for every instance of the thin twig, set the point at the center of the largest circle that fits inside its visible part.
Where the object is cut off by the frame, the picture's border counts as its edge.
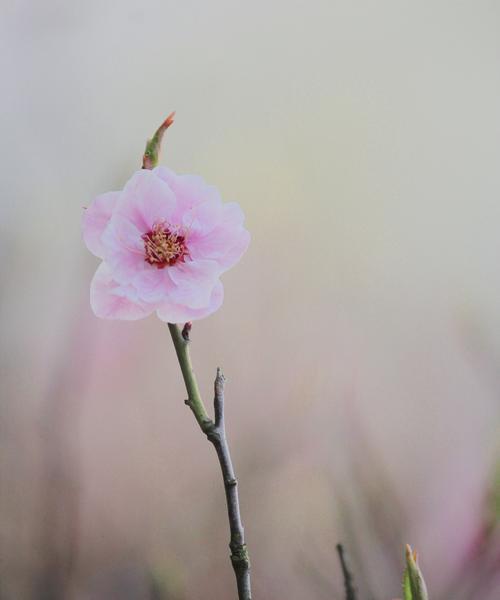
(216, 433)
(350, 588)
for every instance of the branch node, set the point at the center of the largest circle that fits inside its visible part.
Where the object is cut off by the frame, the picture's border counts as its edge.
(208, 428)
(239, 557)
(213, 434)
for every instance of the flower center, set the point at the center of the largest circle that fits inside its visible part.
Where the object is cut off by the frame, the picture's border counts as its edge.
(163, 246)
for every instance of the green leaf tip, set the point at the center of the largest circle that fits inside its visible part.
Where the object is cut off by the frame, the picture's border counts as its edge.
(414, 587)
(152, 152)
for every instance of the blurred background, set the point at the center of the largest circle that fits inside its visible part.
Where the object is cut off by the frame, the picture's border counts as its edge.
(360, 334)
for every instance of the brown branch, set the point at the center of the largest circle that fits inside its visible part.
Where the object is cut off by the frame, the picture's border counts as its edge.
(216, 434)
(350, 589)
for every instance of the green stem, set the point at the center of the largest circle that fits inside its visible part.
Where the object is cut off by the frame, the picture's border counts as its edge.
(194, 400)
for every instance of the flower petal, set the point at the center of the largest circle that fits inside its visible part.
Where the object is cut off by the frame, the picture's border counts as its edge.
(123, 249)
(198, 206)
(226, 243)
(177, 313)
(146, 200)
(94, 221)
(110, 300)
(152, 284)
(194, 282)
(125, 286)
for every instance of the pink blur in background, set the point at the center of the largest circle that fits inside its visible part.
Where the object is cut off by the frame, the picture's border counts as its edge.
(360, 334)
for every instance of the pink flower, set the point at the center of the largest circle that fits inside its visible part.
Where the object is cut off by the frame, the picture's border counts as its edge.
(164, 241)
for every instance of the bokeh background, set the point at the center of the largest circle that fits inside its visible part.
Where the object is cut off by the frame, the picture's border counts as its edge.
(360, 334)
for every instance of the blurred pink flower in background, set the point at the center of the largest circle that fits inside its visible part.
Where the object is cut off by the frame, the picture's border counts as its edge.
(164, 241)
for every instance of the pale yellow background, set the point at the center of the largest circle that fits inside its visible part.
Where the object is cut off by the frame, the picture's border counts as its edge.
(360, 334)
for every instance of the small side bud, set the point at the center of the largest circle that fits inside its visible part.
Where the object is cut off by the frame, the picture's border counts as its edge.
(186, 330)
